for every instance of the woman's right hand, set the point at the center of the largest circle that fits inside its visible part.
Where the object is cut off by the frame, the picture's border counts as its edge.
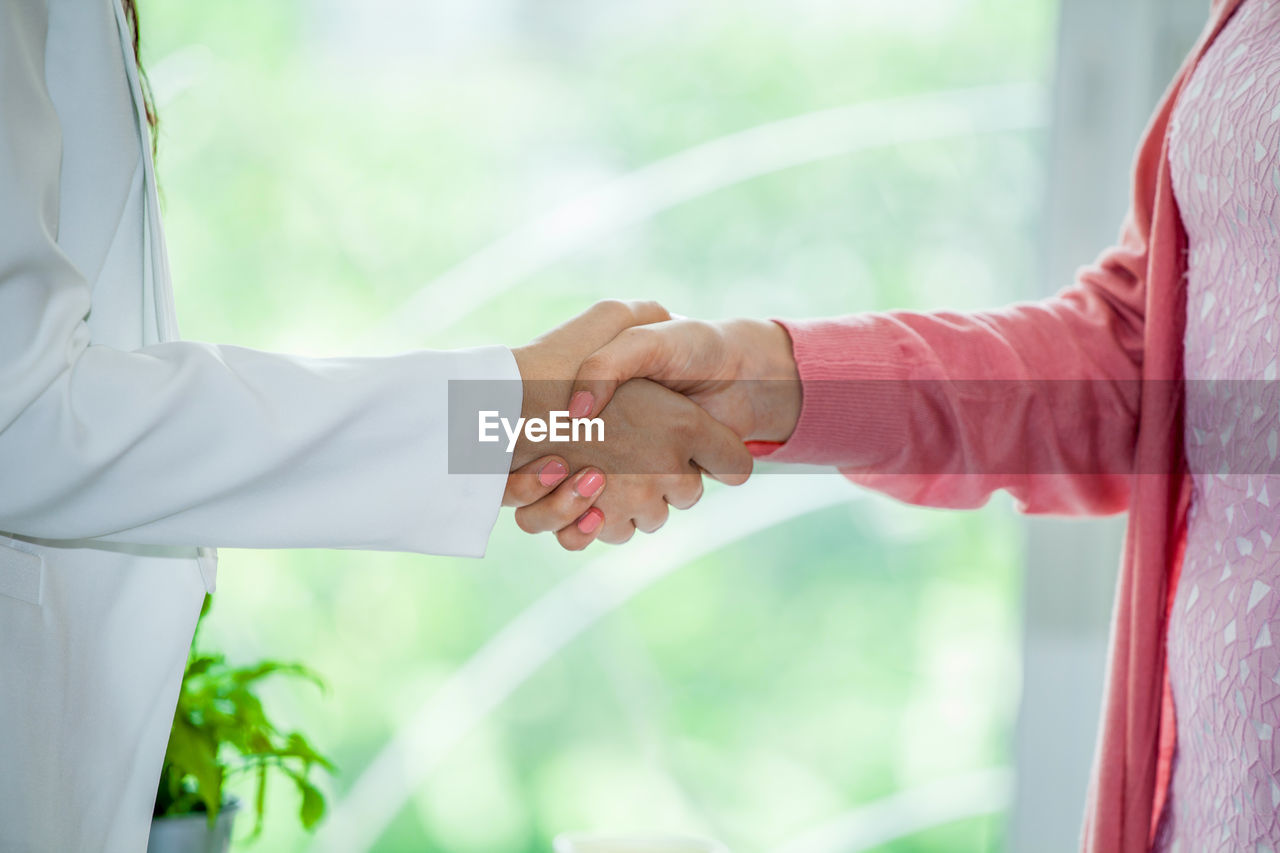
(657, 442)
(548, 499)
(657, 445)
(743, 372)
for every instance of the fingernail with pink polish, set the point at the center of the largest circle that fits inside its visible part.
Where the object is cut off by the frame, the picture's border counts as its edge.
(590, 520)
(581, 403)
(590, 483)
(552, 473)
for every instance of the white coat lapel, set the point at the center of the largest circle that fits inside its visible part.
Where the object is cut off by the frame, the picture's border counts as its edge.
(160, 320)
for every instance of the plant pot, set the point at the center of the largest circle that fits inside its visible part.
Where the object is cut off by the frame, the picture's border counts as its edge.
(191, 833)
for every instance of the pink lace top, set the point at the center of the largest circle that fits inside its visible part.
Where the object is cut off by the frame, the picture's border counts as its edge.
(1224, 637)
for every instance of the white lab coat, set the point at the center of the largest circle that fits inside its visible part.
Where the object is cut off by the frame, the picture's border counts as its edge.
(123, 449)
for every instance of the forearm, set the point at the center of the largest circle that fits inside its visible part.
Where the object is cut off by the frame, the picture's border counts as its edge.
(1036, 398)
(188, 443)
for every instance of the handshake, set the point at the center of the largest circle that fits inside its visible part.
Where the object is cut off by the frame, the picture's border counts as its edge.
(677, 399)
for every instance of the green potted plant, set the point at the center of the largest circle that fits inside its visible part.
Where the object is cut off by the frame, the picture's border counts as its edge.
(220, 731)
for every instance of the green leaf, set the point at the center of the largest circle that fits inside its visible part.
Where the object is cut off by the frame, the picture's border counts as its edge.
(266, 668)
(221, 729)
(194, 753)
(260, 802)
(200, 665)
(313, 805)
(297, 745)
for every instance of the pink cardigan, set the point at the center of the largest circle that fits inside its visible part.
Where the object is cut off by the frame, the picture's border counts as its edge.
(881, 403)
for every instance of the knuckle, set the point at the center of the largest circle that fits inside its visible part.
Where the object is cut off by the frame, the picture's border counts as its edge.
(525, 523)
(652, 491)
(636, 336)
(648, 311)
(570, 542)
(684, 428)
(689, 494)
(527, 490)
(569, 506)
(612, 309)
(621, 534)
(656, 523)
(658, 310)
(598, 365)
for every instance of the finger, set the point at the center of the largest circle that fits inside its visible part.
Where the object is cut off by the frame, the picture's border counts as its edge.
(565, 505)
(720, 452)
(652, 517)
(685, 491)
(616, 531)
(583, 531)
(605, 319)
(628, 312)
(534, 480)
(645, 351)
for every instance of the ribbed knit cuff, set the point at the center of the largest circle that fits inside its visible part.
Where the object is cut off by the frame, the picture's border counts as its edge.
(855, 387)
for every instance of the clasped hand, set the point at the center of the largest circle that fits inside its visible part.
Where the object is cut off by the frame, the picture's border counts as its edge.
(675, 406)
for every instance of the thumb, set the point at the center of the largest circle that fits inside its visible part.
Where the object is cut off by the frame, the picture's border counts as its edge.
(641, 351)
(606, 318)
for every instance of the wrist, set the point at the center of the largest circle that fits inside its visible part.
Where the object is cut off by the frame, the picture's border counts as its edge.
(768, 361)
(546, 384)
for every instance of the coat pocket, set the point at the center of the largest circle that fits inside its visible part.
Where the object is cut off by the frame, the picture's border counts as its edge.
(21, 572)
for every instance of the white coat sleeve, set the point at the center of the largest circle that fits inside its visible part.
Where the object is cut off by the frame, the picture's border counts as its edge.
(192, 444)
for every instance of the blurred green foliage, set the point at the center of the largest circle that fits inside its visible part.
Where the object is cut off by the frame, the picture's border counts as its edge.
(321, 160)
(221, 731)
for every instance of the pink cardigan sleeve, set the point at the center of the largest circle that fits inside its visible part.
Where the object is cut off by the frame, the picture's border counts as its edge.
(942, 409)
